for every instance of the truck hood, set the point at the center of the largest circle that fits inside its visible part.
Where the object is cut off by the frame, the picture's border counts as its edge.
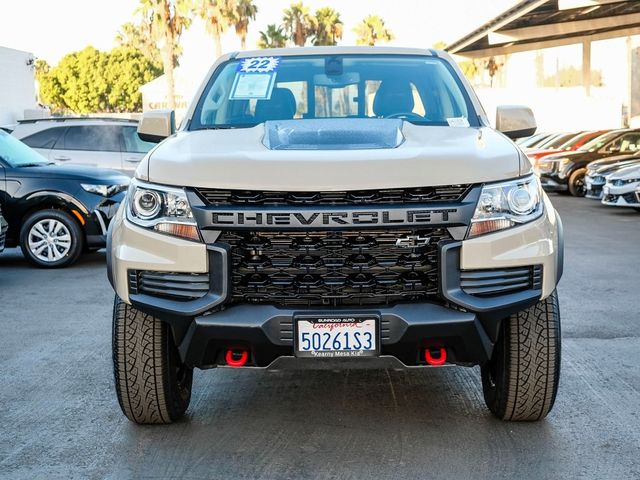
(428, 156)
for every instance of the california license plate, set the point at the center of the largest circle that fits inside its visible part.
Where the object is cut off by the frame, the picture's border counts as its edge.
(336, 336)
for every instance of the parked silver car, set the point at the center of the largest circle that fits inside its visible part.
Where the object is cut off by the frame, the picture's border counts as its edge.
(600, 170)
(623, 188)
(99, 142)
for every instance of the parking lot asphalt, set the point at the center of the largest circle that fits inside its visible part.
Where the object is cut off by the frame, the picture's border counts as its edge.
(59, 417)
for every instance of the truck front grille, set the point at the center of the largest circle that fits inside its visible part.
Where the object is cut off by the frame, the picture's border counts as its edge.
(334, 268)
(448, 193)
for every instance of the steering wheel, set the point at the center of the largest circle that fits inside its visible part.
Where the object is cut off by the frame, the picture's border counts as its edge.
(407, 115)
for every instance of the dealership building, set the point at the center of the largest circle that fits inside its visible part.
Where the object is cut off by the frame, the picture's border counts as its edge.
(575, 62)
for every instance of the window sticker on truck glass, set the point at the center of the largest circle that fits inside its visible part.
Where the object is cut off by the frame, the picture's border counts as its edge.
(259, 65)
(248, 86)
(255, 78)
(458, 122)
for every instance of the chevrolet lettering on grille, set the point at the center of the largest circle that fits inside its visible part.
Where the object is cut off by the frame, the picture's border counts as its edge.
(333, 219)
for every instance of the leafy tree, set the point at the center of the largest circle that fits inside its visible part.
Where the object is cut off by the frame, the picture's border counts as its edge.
(218, 16)
(274, 37)
(329, 27)
(492, 67)
(244, 12)
(91, 81)
(298, 23)
(127, 70)
(372, 30)
(166, 20)
(138, 36)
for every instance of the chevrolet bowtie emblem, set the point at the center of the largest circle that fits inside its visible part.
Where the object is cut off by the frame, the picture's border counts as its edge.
(412, 241)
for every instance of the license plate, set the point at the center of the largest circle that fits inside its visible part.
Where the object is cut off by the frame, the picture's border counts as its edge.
(340, 336)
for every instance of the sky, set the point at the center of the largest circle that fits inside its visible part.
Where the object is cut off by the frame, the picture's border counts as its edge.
(52, 28)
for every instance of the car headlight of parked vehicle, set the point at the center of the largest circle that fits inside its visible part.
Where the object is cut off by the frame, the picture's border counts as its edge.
(104, 190)
(160, 208)
(507, 204)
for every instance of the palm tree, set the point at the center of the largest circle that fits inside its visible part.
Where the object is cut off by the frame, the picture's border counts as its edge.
(298, 23)
(166, 19)
(138, 36)
(274, 37)
(217, 16)
(244, 12)
(329, 27)
(372, 30)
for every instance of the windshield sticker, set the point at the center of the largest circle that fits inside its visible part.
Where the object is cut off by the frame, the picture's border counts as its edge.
(259, 65)
(248, 86)
(458, 122)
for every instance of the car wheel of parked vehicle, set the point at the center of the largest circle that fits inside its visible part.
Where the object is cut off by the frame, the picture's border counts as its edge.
(576, 183)
(152, 384)
(51, 239)
(521, 379)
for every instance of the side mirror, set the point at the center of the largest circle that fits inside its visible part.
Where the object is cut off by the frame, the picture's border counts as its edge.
(156, 125)
(515, 121)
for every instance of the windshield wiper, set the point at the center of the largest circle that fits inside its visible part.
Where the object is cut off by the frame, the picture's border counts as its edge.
(225, 127)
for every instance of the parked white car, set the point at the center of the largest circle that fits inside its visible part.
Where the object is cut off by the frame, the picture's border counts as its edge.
(623, 188)
(98, 142)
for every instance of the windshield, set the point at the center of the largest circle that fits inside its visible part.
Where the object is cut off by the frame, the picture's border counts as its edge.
(17, 154)
(246, 92)
(598, 142)
(560, 141)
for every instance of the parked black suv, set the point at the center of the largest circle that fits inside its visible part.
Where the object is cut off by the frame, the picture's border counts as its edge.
(55, 212)
(566, 171)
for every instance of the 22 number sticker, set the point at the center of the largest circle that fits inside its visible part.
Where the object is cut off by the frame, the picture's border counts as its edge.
(259, 65)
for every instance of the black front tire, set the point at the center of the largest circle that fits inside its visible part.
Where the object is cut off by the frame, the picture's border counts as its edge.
(67, 255)
(152, 384)
(520, 381)
(576, 183)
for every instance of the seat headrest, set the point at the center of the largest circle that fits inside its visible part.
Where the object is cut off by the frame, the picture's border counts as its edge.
(281, 106)
(393, 96)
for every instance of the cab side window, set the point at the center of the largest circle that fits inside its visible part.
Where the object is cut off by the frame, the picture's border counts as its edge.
(100, 138)
(132, 143)
(45, 138)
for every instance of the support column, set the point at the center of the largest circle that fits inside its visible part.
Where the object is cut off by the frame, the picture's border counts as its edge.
(586, 66)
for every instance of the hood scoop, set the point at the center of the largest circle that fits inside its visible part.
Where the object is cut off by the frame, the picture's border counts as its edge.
(333, 134)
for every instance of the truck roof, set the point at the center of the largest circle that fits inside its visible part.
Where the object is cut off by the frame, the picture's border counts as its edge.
(338, 50)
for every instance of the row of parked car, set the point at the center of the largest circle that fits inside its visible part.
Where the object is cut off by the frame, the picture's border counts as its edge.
(602, 165)
(61, 182)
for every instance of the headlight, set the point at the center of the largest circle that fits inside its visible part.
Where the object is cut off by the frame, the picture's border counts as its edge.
(504, 205)
(104, 190)
(163, 209)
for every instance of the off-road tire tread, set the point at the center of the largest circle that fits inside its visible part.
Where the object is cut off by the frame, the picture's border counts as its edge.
(140, 365)
(528, 385)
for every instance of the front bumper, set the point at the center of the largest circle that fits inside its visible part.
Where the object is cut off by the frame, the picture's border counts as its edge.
(617, 199)
(466, 324)
(593, 187)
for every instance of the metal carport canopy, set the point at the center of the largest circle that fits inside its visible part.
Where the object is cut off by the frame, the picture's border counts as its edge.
(537, 24)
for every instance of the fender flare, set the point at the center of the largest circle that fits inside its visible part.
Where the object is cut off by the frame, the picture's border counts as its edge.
(65, 197)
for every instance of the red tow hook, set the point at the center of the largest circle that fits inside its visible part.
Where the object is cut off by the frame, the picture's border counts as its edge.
(237, 358)
(435, 356)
